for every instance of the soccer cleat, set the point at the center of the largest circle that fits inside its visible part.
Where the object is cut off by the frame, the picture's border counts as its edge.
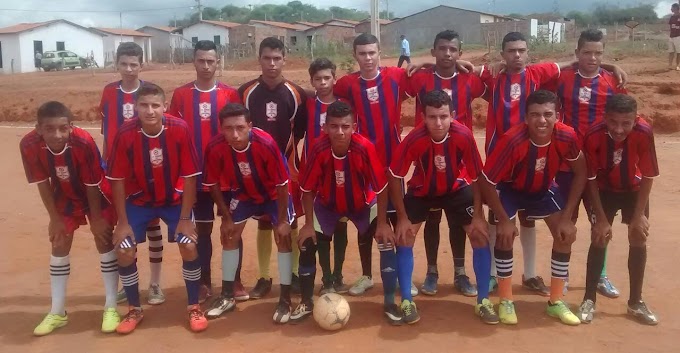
(219, 306)
(262, 288)
(493, 284)
(393, 314)
(110, 320)
(204, 292)
(640, 312)
(536, 284)
(561, 311)
(414, 290)
(327, 287)
(340, 286)
(586, 311)
(156, 296)
(295, 284)
(486, 312)
(121, 297)
(606, 288)
(130, 321)
(197, 321)
(303, 311)
(463, 285)
(363, 284)
(240, 293)
(50, 323)
(506, 312)
(282, 312)
(410, 312)
(430, 285)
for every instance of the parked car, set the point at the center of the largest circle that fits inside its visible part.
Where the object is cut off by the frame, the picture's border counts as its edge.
(58, 60)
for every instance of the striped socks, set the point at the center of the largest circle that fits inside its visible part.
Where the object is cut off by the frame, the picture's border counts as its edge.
(153, 233)
(559, 266)
(60, 269)
(504, 266)
(191, 272)
(130, 280)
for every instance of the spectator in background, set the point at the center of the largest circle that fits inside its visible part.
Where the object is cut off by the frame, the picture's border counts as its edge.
(38, 60)
(405, 51)
(674, 42)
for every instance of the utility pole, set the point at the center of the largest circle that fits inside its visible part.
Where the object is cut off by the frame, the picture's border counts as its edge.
(200, 10)
(387, 9)
(375, 18)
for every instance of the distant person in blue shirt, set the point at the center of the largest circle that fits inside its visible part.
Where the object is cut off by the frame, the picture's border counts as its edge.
(405, 51)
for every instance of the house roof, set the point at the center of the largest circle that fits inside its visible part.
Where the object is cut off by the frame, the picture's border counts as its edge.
(351, 22)
(160, 28)
(221, 23)
(280, 25)
(309, 24)
(382, 21)
(455, 8)
(122, 32)
(22, 27)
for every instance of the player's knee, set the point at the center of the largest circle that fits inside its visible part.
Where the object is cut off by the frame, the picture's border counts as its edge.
(188, 250)
(204, 229)
(126, 256)
(434, 217)
(103, 245)
(527, 223)
(60, 250)
(562, 246)
(284, 244)
(478, 242)
(636, 238)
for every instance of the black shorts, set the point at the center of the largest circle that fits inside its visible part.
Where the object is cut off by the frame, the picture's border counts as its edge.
(204, 208)
(612, 202)
(458, 206)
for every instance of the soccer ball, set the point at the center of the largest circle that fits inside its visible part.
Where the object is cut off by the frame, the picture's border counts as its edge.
(331, 311)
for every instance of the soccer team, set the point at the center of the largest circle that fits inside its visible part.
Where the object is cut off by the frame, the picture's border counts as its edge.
(557, 134)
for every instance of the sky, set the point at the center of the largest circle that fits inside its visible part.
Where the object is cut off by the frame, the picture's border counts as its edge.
(165, 10)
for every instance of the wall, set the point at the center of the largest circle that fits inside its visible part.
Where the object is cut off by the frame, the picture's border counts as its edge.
(329, 35)
(160, 44)
(10, 51)
(493, 33)
(111, 43)
(205, 31)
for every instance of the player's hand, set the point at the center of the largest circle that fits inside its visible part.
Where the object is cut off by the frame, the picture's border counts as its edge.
(282, 233)
(601, 233)
(306, 232)
(56, 230)
(464, 66)
(412, 69)
(101, 229)
(384, 235)
(122, 231)
(505, 234)
(640, 225)
(497, 68)
(478, 231)
(566, 230)
(621, 76)
(404, 232)
(188, 229)
(227, 229)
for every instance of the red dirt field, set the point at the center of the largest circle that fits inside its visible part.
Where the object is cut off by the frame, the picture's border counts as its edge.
(448, 322)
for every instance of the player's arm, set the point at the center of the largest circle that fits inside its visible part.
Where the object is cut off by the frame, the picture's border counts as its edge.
(307, 231)
(283, 228)
(185, 226)
(56, 228)
(649, 169)
(401, 163)
(579, 168)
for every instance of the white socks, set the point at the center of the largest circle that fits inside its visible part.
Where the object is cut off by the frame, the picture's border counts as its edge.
(109, 268)
(528, 238)
(60, 269)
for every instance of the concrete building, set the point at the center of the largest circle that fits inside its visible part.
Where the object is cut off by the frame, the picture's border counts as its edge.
(245, 39)
(114, 36)
(307, 25)
(365, 26)
(331, 33)
(162, 41)
(217, 31)
(19, 43)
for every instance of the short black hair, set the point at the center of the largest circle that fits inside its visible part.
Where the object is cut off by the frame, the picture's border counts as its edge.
(150, 89)
(53, 109)
(675, 6)
(129, 49)
(447, 35)
(365, 39)
(339, 109)
(272, 43)
(436, 98)
(321, 64)
(513, 37)
(205, 45)
(233, 110)
(541, 97)
(621, 103)
(590, 35)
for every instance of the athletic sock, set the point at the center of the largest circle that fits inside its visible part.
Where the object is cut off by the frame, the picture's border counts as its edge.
(307, 270)
(130, 280)
(405, 271)
(365, 253)
(527, 235)
(108, 265)
(285, 268)
(492, 245)
(191, 272)
(205, 252)
(596, 257)
(504, 266)
(481, 263)
(431, 237)
(559, 266)
(296, 251)
(457, 238)
(264, 251)
(229, 267)
(153, 233)
(339, 249)
(637, 260)
(324, 249)
(60, 269)
(388, 272)
(237, 278)
(604, 264)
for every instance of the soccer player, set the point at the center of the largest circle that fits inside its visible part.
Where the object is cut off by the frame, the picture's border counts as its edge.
(277, 106)
(583, 91)
(447, 164)
(462, 88)
(118, 106)
(154, 155)
(518, 175)
(198, 103)
(621, 167)
(341, 179)
(322, 77)
(64, 162)
(674, 41)
(249, 159)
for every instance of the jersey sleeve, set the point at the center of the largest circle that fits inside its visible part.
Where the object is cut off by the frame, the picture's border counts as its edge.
(498, 166)
(276, 164)
(212, 166)
(375, 171)
(471, 157)
(188, 159)
(300, 118)
(545, 72)
(411, 83)
(118, 165)
(311, 172)
(486, 77)
(649, 167)
(477, 87)
(35, 171)
(91, 173)
(342, 87)
(570, 145)
(175, 108)
(590, 148)
(403, 157)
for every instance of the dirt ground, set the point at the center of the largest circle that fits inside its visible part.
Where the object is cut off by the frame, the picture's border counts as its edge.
(447, 321)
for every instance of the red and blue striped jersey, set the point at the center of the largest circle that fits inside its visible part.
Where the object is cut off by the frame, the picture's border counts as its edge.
(316, 119)
(253, 173)
(377, 104)
(152, 166)
(344, 184)
(69, 171)
(116, 107)
(441, 167)
(200, 110)
(509, 94)
(461, 87)
(619, 166)
(528, 167)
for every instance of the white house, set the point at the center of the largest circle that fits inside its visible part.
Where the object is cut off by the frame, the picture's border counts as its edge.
(19, 43)
(217, 31)
(162, 42)
(114, 36)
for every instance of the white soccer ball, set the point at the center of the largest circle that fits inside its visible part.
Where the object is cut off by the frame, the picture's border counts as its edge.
(331, 311)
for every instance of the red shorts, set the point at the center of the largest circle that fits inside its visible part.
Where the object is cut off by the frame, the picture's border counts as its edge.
(296, 196)
(74, 222)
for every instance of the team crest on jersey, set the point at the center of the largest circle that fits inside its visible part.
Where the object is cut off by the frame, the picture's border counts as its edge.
(128, 110)
(515, 91)
(340, 177)
(584, 94)
(449, 92)
(440, 162)
(244, 168)
(156, 157)
(540, 165)
(372, 94)
(205, 110)
(618, 156)
(62, 172)
(272, 111)
(322, 119)
(470, 211)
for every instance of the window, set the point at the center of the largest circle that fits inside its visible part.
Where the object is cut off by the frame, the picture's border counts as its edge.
(71, 55)
(217, 40)
(61, 46)
(194, 40)
(49, 55)
(293, 40)
(282, 38)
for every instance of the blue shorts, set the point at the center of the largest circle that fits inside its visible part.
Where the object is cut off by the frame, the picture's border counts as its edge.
(140, 216)
(204, 208)
(325, 219)
(535, 206)
(269, 210)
